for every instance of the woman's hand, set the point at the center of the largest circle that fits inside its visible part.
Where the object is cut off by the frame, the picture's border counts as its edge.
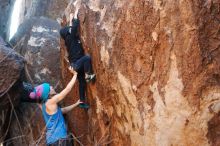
(72, 70)
(76, 13)
(78, 102)
(77, 5)
(71, 16)
(69, 108)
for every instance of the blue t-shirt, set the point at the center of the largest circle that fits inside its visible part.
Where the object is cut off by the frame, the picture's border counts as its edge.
(55, 124)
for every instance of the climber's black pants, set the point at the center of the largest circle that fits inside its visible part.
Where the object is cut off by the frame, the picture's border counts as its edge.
(83, 63)
(82, 66)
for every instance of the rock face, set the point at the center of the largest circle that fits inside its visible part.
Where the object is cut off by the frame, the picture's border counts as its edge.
(18, 124)
(28, 128)
(37, 40)
(157, 66)
(11, 69)
(48, 8)
(31, 8)
(158, 75)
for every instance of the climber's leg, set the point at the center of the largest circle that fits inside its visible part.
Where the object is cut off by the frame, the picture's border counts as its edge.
(82, 85)
(89, 75)
(82, 88)
(85, 62)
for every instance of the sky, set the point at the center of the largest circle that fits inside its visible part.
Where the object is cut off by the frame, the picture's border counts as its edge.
(15, 18)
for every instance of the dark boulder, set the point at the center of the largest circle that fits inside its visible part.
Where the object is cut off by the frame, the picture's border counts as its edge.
(11, 74)
(37, 40)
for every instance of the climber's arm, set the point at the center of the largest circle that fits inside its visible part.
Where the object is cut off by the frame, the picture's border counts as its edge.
(74, 23)
(57, 98)
(69, 108)
(64, 31)
(71, 19)
(73, 26)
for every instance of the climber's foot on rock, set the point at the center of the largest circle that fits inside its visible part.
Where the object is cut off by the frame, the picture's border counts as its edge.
(83, 105)
(90, 78)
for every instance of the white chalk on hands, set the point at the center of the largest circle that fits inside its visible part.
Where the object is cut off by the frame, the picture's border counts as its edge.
(76, 13)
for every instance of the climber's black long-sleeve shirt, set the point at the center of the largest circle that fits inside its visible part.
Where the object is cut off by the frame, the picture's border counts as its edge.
(72, 41)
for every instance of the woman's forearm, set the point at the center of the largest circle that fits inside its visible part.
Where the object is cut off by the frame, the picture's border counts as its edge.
(69, 108)
(71, 83)
(70, 23)
(57, 98)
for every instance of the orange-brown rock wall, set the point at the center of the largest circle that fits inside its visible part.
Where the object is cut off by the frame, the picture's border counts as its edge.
(157, 67)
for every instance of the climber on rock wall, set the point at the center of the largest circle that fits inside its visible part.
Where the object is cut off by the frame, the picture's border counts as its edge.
(56, 131)
(80, 62)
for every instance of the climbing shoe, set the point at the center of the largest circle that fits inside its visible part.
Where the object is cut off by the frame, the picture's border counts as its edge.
(90, 77)
(83, 105)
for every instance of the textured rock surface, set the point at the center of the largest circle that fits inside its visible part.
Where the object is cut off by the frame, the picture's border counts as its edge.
(38, 41)
(157, 66)
(11, 69)
(29, 8)
(47, 8)
(28, 128)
